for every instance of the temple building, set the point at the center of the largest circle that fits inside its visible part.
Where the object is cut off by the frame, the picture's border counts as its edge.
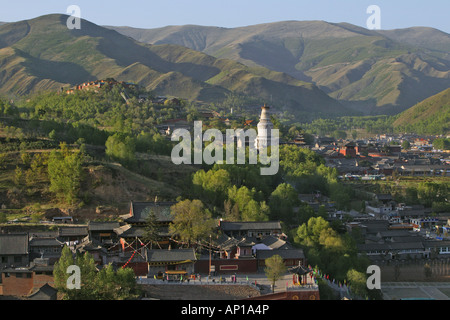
(265, 127)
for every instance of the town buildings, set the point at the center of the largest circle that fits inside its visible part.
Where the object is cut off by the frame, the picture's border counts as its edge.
(235, 248)
(376, 158)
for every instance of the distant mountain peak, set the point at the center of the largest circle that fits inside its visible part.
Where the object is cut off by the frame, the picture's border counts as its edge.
(372, 71)
(46, 55)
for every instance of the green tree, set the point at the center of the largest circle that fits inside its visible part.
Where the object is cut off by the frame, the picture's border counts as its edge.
(191, 221)
(3, 218)
(106, 284)
(116, 285)
(18, 176)
(122, 148)
(3, 160)
(275, 269)
(282, 201)
(442, 144)
(358, 283)
(151, 228)
(60, 269)
(65, 171)
(211, 186)
(249, 208)
(406, 145)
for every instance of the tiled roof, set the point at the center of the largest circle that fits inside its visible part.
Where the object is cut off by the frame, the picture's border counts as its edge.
(72, 231)
(238, 226)
(283, 253)
(140, 211)
(175, 255)
(275, 243)
(128, 231)
(45, 242)
(101, 226)
(13, 244)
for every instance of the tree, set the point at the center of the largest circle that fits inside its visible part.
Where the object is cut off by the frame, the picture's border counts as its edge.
(211, 186)
(231, 212)
(442, 144)
(249, 208)
(3, 218)
(151, 229)
(358, 283)
(191, 221)
(282, 201)
(94, 285)
(87, 275)
(116, 285)
(60, 269)
(122, 148)
(275, 269)
(406, 145)
(65, 171)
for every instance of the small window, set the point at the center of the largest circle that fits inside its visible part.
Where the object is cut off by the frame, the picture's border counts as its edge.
(19, 275)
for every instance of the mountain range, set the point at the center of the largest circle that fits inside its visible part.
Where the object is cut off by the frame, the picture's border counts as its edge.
(305, 68)
(43, 54)
(370, 71)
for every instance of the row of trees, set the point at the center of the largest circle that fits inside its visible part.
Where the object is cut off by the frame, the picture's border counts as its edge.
(61, 169)
(240, 193)
(106, 284)
(435, 125)
(335, 254)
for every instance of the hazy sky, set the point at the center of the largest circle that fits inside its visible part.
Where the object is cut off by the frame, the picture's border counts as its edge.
(234, 13)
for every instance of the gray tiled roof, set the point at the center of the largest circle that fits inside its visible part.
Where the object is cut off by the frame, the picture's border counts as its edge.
(283, 253)
(238, 226)
(102, 226)
(275, 242)
(72, 231)
(171, 255)
(14, 244)
(140, 211)
(391, 246)
(45, 242)
(128, 231)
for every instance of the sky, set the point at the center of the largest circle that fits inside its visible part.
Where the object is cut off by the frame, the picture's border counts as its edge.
(235, 13)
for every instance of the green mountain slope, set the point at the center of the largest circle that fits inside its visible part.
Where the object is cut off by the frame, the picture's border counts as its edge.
(370, 71)
(43, 53)
(429, 116)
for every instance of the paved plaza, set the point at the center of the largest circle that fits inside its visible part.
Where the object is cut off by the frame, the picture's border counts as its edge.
(416, 290)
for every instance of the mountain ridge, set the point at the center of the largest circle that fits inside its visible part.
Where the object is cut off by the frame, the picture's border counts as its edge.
(431, 115)
(373, 71)
(42, 53)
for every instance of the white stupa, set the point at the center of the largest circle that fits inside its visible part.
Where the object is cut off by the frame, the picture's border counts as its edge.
(265, 127)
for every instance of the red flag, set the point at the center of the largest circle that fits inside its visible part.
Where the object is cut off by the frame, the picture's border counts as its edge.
(122, 241)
